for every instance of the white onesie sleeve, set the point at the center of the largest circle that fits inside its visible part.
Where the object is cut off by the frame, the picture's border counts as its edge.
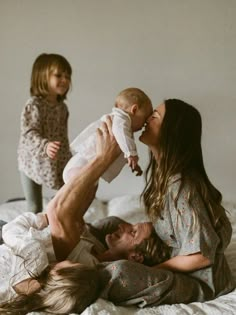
(121, 127)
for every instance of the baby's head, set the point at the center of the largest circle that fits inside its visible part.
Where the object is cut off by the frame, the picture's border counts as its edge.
(137, 104)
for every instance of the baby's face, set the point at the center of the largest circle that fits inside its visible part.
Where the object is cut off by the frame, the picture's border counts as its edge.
(140, 117)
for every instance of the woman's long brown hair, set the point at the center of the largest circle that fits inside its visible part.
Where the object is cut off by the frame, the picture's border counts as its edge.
(180, 152)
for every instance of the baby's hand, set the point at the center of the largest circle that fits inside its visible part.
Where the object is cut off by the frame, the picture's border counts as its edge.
(138, 170)
(132, 161)
(133, 164)
(52, 149)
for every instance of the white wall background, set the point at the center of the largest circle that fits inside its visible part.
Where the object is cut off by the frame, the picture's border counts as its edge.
(169, 48)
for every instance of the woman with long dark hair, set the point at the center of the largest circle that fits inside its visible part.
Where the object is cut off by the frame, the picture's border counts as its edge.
(186, 211)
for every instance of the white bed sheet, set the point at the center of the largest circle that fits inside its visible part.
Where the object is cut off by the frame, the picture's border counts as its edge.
(130, 209)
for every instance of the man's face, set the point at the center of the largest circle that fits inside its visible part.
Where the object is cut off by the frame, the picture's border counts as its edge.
(127, 236)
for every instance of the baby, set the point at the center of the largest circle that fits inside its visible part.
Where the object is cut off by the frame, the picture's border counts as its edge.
(132, 108)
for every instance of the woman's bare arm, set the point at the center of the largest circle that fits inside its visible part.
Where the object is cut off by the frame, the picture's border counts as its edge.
(187, 263)
(66, 210)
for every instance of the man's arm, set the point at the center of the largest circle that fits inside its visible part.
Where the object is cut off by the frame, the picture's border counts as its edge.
(65, 211)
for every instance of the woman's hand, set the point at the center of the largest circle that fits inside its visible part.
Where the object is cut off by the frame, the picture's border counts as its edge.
(107, 147)
(27, 286)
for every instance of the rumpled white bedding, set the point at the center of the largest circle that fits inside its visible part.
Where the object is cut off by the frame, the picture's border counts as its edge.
(129, 208)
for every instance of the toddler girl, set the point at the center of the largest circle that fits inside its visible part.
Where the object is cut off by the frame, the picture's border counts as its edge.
(44, 147)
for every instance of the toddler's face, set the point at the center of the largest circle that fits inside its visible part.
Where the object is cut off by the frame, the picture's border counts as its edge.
(140, 117)
(59, 83)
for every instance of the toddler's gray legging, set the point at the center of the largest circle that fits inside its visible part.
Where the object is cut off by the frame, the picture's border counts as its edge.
(33, 194)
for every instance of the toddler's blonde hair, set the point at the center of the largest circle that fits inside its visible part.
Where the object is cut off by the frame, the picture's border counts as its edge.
(42, 68)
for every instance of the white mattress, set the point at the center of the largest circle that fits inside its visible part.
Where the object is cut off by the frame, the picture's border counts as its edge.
(129, 209)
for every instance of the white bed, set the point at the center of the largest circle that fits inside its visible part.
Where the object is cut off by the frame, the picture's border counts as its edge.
(130, 209)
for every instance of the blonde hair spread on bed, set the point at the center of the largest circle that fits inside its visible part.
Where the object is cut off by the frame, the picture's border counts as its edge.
(67, 290)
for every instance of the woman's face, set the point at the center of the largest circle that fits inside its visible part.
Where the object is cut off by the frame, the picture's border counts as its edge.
(152, 128)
